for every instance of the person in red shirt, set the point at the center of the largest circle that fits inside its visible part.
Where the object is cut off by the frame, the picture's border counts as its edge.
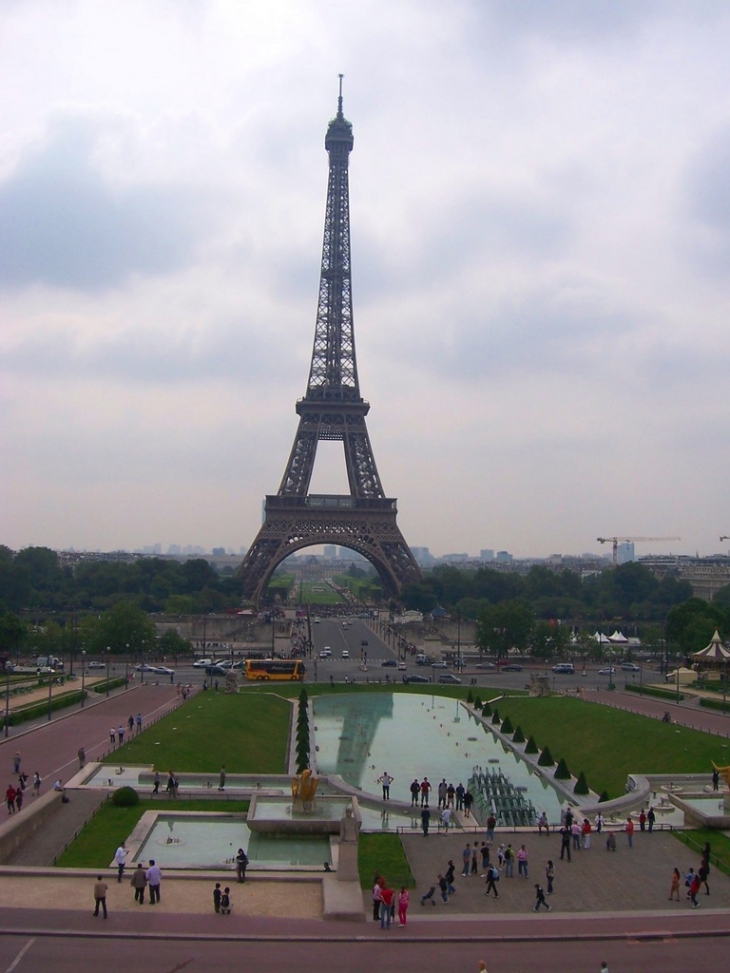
(425, 791)
(10, 794)
(630, 832)
(386, 906)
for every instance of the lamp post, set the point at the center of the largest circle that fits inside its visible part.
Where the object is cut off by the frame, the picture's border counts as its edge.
(7, 700)
(108, 651)
(50, 691)
(126, 669)
(677, 674)
(724, 687)
(83, 677)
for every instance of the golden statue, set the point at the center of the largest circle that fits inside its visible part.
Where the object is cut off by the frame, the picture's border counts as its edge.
(724, 772)
(304, 786)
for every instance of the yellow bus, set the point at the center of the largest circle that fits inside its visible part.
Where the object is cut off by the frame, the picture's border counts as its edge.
(263, 669)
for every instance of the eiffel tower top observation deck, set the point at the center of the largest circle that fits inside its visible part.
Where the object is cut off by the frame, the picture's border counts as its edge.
(332, 409)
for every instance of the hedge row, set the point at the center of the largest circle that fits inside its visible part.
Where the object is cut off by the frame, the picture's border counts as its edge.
(34, 710)
(715, 703)
(654, 691)
(546, 758)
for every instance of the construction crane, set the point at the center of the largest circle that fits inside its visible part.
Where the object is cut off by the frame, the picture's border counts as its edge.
(623, 540)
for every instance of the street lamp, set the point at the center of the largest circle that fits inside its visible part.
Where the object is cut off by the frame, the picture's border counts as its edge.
(50, 691)
(126, 669)
(108, 651)
(83, 677)
(7, 699)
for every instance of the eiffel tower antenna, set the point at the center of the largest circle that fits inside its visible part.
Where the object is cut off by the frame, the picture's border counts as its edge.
(332, 409)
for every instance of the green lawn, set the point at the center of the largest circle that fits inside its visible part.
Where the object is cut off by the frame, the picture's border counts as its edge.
(95, 846)
(608, 744)
(383, 854)
(247, 732)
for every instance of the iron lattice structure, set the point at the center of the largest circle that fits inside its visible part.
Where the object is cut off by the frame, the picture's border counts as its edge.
(332, 409)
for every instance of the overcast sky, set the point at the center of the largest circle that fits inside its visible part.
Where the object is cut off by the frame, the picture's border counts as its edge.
(540, 207)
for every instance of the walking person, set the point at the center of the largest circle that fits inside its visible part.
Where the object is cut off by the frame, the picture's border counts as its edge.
(113, 737)
(491, 825)
(425, 791)
(82, 757)
(16, 763)
(586, 831)
(156, 784)
(522, 861)
(217, 897)
(444, 889)
(120, 734)
(139, 722)
(226, 902)
(100, 890)
(550, 875)
(415, 791)
(120, 859)
(139, 883)
(154, 880)
(222, 779)
(651, 819)
(37, 781)
(492, 879)
(466, 860)
(703, 872)
(674, 888)
(449, 876)
(425, 820)
(404, 900)
(693, 890)
(540, 898)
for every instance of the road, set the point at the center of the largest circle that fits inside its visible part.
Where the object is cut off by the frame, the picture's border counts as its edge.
(209, 953)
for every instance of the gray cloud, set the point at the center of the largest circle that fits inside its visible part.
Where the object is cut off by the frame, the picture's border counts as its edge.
(63, 224)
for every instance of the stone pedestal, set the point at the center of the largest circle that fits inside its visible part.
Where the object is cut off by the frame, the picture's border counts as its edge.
(347, 862)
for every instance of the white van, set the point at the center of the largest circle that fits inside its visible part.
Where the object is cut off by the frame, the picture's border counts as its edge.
(566, 668)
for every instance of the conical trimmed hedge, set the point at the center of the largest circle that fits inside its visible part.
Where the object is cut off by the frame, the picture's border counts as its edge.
(581, 785)
(561, 771)
(507, 726)
(519, 736)
(531, 746)
(546, 758)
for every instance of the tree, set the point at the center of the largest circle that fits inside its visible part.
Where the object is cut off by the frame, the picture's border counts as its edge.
(505, 626)
(125, 627)
(12, 633)
(692, 624)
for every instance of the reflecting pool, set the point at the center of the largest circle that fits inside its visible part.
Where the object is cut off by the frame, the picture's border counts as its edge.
(409, 736)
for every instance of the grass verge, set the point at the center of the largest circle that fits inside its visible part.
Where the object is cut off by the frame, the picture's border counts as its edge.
(96, 844)
(383, 854)
(248, 733)
(719, 842)
(608, 744)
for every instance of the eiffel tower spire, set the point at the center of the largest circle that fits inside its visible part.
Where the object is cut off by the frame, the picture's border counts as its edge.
(332, 409)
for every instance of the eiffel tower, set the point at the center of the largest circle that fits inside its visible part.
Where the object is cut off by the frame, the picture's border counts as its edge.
(332, 409)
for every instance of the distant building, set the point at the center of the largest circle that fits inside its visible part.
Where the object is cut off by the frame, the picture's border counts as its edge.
(625, 553)
(487, 554)
(504, 557)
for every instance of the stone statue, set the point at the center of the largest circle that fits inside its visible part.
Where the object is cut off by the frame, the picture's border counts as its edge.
(304, 786)
(348, 827)
(231, 681)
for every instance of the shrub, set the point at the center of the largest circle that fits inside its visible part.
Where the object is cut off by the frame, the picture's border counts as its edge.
(495, 717)
(125, 797)
(581, 785)
(486, 710)
(507, 726)
(519, 736)
(561, 771)
(603, 797)
(546, 758)
(531, 746)
(670, 694)
(303, 698)
(478, 703)
(469, 697)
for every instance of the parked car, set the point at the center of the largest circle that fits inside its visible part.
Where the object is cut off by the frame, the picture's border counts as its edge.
(402, 666)
(345, 653)
(512, 667)
(607, 671)
(485, 665)
(97, 665)
(389, 664)
(364, 642)
(449, 677)
(416, 678)
(202, 663)
(630, 667)
(324, 654)
(215, 671)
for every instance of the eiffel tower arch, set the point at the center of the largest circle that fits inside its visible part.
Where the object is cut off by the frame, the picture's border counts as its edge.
(332, 409)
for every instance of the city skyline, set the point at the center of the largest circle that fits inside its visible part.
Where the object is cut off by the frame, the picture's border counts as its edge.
(540, 240)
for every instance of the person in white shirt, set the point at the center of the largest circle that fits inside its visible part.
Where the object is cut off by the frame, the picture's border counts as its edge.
(120, 857)
(154, 877)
